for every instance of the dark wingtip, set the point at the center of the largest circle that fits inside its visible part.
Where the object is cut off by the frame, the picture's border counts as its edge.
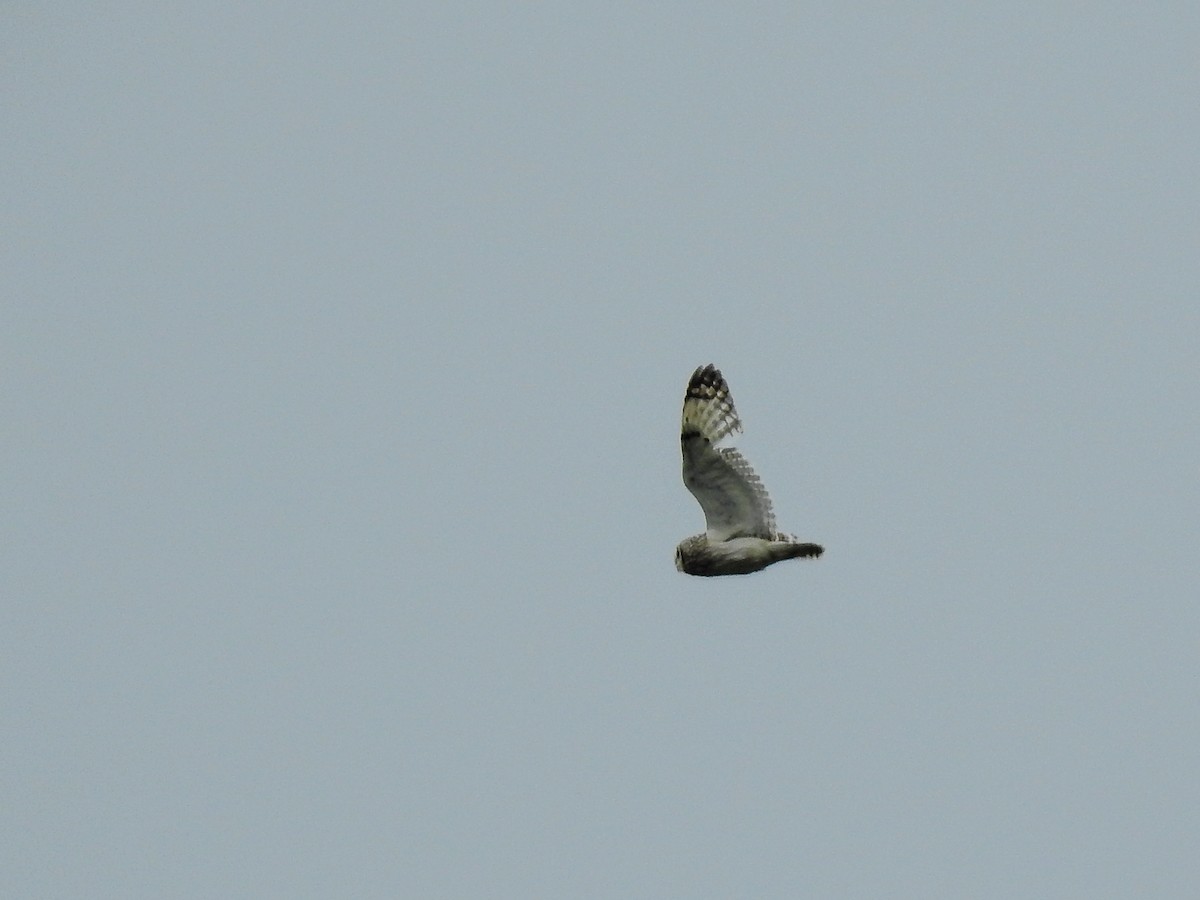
(708, 376)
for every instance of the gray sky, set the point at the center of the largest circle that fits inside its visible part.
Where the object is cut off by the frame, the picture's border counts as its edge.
(343, 349)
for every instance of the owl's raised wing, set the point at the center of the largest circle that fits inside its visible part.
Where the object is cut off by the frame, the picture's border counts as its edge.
(734, 501)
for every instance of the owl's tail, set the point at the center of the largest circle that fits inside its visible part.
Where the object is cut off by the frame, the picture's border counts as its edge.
(796, 550)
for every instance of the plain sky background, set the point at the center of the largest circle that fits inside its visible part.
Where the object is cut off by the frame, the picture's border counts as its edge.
(343, 347)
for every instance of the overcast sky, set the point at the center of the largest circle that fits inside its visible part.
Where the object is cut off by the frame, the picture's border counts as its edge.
(343, 347)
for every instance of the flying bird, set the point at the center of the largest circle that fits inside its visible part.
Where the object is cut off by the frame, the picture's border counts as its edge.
(741, 536)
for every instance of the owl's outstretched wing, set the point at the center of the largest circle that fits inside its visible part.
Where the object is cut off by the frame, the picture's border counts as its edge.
(734, 501)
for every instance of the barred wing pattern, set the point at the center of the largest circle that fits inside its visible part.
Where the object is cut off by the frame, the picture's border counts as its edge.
(733, 498)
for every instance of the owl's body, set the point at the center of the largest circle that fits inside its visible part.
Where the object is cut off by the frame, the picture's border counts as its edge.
(739, 556)
(740, 536)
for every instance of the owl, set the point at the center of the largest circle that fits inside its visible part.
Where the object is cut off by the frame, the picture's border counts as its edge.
(741, 536)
